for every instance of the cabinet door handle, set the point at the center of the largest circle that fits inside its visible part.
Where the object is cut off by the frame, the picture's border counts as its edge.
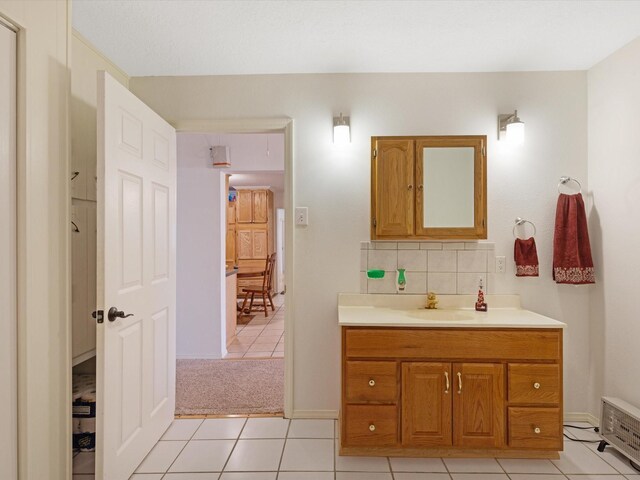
(446, 377)
(372, 428)
(537, 430)
(459, 382)
(409, 187)
(372, 383)
(536, 386)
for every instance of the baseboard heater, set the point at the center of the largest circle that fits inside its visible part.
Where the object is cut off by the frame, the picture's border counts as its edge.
(620, 428)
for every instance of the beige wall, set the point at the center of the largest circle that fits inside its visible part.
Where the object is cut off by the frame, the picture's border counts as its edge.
(334, 183)
(43, 233)
(614, 180)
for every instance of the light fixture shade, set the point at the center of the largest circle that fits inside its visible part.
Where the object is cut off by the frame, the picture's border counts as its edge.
(220, 156)
(515, 132)
(341, 130)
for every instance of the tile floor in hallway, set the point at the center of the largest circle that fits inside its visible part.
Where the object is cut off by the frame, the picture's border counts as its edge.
(279, 449)
(262, 336)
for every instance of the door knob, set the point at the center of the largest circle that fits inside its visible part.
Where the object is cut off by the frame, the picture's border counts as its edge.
(115, 313)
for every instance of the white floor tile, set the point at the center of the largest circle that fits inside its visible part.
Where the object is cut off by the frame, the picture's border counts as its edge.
(191, 476)
(311, 429)
(596, 477)
(521, 465)
(580, 433)
(203, 456)
(578, 459)
(255, 456)
(535, 476)
(308, 455)
(274, 427)
(182, 429)
(220, 429)
(84, 462)
(257, 355)
(614, 458)
(479, 476)
(305, 476)
(473, 465)
(635, 476)
(421, 476)
(346, 463)
(146, 476)
(362, 476)
(249, 476)
(400, 464)
(161, 457)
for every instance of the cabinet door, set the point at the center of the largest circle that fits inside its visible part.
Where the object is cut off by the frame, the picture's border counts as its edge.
(260, 206)
(244, 207)
(478, 405)
(231, 213)
(245, 244)
(231, 244)
(426, 404)
(259, 249)
(394, 190)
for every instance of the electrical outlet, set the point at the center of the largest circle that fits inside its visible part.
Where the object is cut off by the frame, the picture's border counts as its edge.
(501, 264)
(302, 216)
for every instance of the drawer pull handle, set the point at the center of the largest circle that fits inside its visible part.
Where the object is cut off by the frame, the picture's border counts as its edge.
(459, 382)
(536, 386)
(372, 383)
(446, 377)
(372, 428)
(537, 430)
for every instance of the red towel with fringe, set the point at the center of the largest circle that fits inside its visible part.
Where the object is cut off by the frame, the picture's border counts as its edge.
(572, 261)
(525, 255)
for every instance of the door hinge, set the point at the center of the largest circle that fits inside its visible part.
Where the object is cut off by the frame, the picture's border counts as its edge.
(375, 153)
(375, 223)
(99, 316)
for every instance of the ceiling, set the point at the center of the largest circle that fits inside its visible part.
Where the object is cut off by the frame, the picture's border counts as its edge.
(220, 37)
(275, 180)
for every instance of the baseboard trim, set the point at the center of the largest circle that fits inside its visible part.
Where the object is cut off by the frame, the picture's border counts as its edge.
(321, 414)
(198, 357)
(582, 417)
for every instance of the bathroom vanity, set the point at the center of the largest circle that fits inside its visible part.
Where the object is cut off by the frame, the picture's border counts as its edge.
(449, 382)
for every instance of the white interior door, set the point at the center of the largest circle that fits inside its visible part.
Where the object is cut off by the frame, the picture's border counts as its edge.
(137, 275)
(280, 286)
(8, 292)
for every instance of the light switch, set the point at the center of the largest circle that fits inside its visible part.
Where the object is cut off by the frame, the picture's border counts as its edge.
(302, 216)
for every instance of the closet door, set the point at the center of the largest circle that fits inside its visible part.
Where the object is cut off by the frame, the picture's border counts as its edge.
(8, 253)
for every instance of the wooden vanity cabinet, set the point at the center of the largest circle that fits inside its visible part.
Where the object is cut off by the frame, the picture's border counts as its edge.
(451, 392)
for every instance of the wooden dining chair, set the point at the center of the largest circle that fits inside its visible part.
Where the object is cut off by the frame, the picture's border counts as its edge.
(266, 292)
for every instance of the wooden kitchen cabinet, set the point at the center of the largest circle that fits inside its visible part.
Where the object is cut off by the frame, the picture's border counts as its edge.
(451, 392)
(244, 206)
(254, 206)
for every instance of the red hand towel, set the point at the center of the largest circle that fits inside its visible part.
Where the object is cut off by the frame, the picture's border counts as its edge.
(572, 262)
(526, 257)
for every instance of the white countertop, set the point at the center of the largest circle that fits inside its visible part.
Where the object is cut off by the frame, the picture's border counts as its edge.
(457, 312)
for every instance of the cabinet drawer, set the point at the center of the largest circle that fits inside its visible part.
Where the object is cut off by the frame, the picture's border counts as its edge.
(534, 383)
(370, 425)
(539, 428)
(371, 382)
(463, 344)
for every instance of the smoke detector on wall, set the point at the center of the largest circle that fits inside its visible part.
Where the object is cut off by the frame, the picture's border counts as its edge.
(220, 156)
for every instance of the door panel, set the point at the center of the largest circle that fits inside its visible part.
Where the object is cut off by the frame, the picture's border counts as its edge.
(260, 206)
(426, 404)
(245, 206)
(245, 244)
(394, 195)
(478, 405)
(259, 244)
(136, 274)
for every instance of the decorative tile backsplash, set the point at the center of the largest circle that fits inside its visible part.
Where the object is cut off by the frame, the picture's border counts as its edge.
(440, 267)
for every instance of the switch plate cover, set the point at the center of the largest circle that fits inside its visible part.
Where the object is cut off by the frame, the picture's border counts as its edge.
(302, 216)
(501, 264)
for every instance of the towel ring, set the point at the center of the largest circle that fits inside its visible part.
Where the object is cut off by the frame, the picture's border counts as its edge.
(522, 221)
(565, 180)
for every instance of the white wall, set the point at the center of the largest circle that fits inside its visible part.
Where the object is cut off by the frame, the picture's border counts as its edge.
(200, 255)
(614, 180)
(334, 183)
(43, 237)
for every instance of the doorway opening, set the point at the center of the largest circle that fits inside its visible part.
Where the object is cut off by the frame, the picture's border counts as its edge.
(231, 229)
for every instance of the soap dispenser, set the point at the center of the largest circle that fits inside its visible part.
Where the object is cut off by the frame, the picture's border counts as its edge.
(481, 305)
(401, 283)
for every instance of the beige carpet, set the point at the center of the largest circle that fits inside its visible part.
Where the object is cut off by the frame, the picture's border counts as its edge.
(228, 387)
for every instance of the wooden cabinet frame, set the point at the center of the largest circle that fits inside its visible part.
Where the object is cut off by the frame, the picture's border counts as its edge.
(397, 204)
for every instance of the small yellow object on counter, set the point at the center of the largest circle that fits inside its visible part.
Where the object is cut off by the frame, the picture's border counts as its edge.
(432, 301)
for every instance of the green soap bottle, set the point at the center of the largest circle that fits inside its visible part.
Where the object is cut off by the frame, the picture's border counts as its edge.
(402, 281)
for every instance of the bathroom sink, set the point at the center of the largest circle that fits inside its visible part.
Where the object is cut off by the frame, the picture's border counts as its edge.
(441, 315)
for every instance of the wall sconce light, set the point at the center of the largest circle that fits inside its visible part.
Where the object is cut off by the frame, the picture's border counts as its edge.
(341, 130)
(513, 128)
(220, 156)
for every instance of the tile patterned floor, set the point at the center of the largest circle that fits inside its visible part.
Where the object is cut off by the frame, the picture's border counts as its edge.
(279, 449)
(262, 336)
